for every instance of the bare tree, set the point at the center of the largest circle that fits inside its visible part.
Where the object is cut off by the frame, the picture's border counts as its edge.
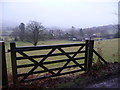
(34, 32)
(59, 34)
(51, 34)
(72, 31)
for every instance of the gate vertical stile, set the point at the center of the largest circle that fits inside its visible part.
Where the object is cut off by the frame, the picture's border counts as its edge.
(86, 55)
(14, 63)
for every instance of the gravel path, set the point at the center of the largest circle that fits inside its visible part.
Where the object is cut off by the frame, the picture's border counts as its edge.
(110, 83)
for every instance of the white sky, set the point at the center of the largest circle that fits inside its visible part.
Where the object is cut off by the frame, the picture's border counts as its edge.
(61, 13)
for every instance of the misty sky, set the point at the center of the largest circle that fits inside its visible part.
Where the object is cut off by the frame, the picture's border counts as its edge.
(61, 13)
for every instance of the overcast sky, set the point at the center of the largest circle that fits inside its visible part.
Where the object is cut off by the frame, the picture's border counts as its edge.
(61, 13)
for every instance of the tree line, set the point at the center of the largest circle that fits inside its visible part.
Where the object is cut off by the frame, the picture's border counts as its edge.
(34, 31)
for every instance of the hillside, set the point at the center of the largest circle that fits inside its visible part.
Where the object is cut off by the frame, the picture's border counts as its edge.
(111, 29)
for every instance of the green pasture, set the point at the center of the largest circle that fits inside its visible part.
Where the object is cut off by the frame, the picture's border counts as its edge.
(109, 50)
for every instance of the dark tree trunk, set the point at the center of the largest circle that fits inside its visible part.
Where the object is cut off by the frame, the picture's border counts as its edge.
(35, 43)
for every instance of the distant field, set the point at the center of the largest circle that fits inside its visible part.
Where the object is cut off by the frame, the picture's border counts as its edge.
(109, 48)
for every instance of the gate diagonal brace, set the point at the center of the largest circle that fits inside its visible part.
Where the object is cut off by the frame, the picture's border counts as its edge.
(100, 56)
(29, 58)
(39, 64)
(70, 59)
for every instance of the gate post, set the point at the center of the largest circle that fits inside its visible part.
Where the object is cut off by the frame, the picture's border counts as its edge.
(14, 63)
(90, 54)
(3, 66)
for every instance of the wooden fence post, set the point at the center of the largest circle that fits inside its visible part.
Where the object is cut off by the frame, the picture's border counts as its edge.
(14, 63)
(4, 76)
(90, 54)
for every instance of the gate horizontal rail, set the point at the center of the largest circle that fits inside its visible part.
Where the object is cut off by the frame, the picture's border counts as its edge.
(49, 62)
(40, 56)
(36, 72)
(39, 78)
(31, 48)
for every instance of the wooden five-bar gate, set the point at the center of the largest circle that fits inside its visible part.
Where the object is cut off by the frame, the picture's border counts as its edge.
(86, 48)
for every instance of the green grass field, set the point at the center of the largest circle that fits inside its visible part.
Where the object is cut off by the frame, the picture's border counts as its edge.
(109, 49)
